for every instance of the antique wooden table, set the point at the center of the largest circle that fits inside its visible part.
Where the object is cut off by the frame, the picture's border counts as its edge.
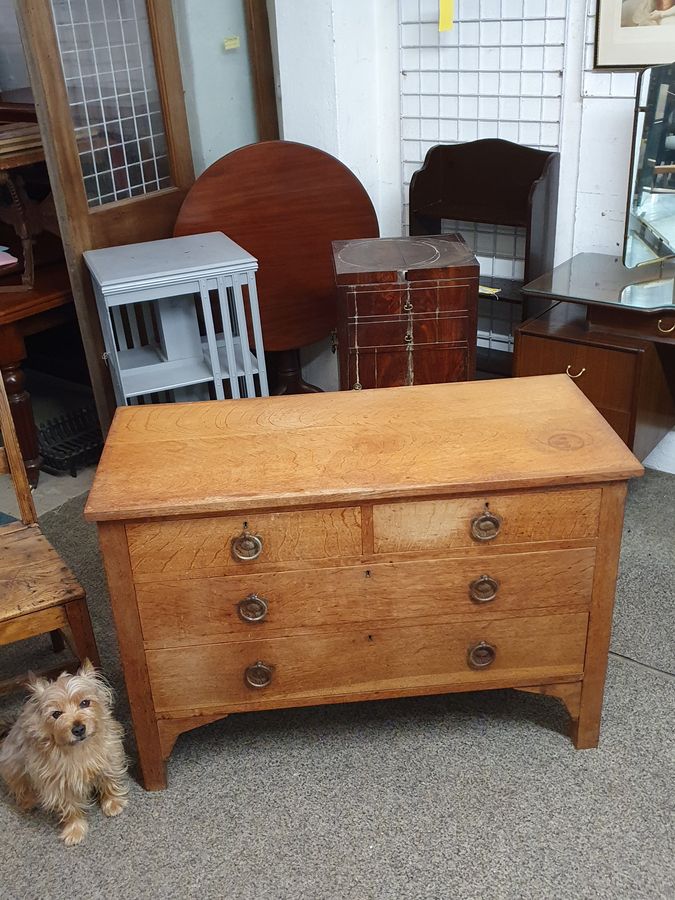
(308, 549)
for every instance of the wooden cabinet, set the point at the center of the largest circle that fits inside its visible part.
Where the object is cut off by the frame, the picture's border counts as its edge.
(626, 378)
(359, 546)
(406, 311)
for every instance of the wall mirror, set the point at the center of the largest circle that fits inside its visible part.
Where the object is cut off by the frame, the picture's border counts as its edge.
(650, 217)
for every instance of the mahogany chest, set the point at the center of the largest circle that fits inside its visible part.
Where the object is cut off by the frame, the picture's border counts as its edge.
(407, 311)
(325, 548)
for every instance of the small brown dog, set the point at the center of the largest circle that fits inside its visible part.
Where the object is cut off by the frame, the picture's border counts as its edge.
(64, 748)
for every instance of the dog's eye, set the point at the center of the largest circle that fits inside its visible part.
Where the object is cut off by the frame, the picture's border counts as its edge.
(56, 714)
(84, 704)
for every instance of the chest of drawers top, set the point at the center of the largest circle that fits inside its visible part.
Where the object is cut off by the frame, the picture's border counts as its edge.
(318, 450)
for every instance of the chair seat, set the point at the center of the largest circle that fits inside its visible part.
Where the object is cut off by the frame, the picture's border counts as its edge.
(32, 574)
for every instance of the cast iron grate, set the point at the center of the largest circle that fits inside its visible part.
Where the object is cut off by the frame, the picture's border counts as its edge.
(70, 442)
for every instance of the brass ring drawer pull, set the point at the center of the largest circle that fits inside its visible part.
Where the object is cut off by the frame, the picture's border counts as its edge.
(481, 655)
(483, 589)
(665, 330)
(253, 608)
(578, 375)
(259, 675)
(247, 546)
(486, 526)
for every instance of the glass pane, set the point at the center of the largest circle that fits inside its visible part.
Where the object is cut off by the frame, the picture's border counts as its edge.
(109, 69)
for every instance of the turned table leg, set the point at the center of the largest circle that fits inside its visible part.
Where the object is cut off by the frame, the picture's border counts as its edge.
(22, 413)
(288, 374)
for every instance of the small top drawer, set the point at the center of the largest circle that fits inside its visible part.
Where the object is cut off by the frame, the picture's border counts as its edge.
(234, 544)
(415, 298)
(433, 525)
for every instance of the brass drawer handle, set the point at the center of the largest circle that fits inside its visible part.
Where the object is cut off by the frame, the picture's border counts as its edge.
(665, 330)
(247, 546)
(486, 526)
(481, 655)
(578, 375)
(483, 589)
(253, 608)
(259, 675)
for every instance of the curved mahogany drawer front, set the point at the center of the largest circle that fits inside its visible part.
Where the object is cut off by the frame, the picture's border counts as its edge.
(368, 661)
(432, 525)
(431, 364)
(223, 545)
(248, 607)
(416, 330)
(425, 297)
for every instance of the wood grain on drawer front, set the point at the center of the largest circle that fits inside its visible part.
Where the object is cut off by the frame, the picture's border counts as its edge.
(198, 547)
(430, 525)
(175, 613)
(367, 661)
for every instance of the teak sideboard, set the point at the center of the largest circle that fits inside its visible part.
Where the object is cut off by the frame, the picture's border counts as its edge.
(310, 549)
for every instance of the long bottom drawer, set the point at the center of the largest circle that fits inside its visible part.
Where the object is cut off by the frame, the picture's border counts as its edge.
(363, 661)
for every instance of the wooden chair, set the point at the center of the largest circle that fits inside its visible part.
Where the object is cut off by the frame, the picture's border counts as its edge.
(38, 593)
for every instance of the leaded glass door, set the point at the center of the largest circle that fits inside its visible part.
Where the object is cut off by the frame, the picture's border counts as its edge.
(109, 95)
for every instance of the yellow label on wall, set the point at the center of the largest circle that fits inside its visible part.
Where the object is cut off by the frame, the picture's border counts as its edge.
(232, 43)
(446, 14)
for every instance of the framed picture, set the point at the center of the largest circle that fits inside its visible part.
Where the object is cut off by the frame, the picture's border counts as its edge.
(630, 34)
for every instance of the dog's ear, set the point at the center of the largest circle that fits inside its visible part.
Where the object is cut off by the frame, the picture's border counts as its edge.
(35, 684)
(87, 668)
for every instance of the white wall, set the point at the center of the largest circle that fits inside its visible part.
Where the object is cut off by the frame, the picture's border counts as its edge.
(337, 64)
(596, 146)
(218, 89)
(338, 84)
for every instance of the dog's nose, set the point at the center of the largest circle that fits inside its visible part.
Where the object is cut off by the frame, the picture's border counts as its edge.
(78, 729)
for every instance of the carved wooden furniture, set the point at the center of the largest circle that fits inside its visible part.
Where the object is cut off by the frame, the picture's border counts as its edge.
(147, 301)
(23, 313)
(493, 182)
(360, 545)
(38, 593)
(615, 336)
(35, 295)
(406, 311)
(284, 203)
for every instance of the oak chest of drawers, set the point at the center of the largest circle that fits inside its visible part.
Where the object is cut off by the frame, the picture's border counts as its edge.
(314, 549)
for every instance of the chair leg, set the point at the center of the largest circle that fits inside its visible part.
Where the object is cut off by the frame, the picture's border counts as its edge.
(82, 632)
(58, 643)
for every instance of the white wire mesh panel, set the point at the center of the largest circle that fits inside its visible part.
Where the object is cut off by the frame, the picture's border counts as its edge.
(496, 74)
(108, 66)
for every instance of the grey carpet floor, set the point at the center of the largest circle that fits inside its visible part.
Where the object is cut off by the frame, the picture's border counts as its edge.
(465, 796)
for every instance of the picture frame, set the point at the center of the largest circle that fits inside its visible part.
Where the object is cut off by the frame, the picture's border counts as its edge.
(632, 34)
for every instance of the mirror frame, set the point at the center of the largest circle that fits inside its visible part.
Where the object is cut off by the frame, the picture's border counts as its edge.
(639, 108)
